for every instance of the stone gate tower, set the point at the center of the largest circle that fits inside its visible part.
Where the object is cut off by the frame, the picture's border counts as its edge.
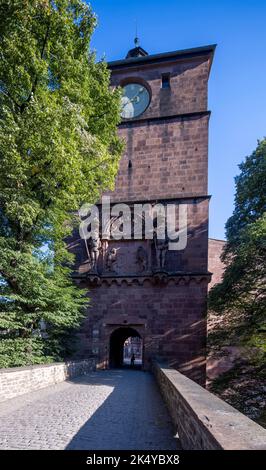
(136, 289)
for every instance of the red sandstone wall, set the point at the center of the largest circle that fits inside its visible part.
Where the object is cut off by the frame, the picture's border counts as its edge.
(188, 91)
(215, 265)
(191, 260)
(167, 148)
(168, 317)
(168, 158)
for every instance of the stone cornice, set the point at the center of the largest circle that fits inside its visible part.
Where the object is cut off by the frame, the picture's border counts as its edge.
(184, 116)
(151, 59)
(159, 277)
(194, 198)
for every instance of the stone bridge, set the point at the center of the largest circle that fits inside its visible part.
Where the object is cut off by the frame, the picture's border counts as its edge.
(116, 409)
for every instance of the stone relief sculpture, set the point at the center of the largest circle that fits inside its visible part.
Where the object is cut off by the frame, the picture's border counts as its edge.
(104, 248)
(161, 248)
(94, 247)
(142, 259)
(111, 259)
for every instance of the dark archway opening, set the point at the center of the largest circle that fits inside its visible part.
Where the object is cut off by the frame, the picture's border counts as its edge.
(124, 342)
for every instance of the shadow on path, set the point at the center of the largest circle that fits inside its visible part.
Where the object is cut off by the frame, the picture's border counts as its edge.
(132, 415)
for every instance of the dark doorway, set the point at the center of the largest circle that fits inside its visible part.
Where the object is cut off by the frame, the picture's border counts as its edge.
(124, 342)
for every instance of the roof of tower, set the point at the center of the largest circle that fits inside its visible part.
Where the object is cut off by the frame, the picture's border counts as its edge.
(137, 51)
(139, 56)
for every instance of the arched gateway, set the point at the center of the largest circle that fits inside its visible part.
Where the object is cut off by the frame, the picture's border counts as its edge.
(119, 351)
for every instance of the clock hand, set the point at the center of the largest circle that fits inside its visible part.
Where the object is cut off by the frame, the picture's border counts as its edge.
(133, 98)
(129, 101)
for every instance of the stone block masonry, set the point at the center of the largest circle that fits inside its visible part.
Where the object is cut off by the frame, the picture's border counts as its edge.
(168, 157)
(166, 317)
(204, 421)
(19, 380)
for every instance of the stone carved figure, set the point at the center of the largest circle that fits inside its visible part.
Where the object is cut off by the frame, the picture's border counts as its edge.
(94, 246)
(104, 248)
(142, 259)
(111, 259)
(161, 248)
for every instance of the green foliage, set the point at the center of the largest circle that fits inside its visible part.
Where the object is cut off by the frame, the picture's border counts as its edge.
(242, 290)
(243, 283)
(250, 197)
(23, 352)
(58, 149)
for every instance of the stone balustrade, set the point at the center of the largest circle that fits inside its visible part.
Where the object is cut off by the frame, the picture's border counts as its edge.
(19, 380)
(202, 420)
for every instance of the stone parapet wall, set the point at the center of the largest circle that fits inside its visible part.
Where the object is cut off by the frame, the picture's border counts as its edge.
(202, 420)
(19, 380)
(215, 264)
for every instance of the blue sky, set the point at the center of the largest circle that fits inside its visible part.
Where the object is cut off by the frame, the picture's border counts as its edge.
(237, 86)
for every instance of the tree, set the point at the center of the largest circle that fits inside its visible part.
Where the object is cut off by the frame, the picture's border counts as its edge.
(242, 289)
(58, 149)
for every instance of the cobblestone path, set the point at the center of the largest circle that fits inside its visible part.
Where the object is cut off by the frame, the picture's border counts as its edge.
(117, 409)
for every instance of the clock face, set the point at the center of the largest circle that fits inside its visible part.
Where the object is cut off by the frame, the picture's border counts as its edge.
(135, 100)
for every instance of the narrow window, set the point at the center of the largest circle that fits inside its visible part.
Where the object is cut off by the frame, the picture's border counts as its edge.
(166, 80)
